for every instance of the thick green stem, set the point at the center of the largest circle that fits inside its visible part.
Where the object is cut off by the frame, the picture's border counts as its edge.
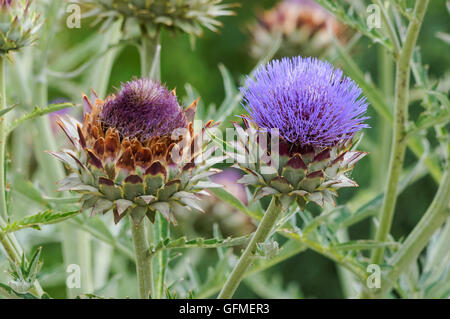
(3, 205)
(260, 236)
(381, 158)
(436, 215)
(290, 249)
(376, 99)
(143, 260)
(150, 50)
(9, 243)
(399, 143)
(150, 55)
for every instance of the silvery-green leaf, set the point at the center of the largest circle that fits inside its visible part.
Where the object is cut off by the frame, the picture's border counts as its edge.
(265, 191)
(344, 181)
(191, 203)
(328, 184)
(137, 214)
(204, 193)
(183, 194)
(328, 197)
(214, 160)
(69, 182)
(122, 205)
(299, 193)
(317, 197)
(163, 208)
(206, 184)
(86, 188)
(36, 221)
(248, 179)
(286, 201)
(66, 159)
(147, 199)
(281, 184)
(351, 158)
(101, 206)
(204, 175)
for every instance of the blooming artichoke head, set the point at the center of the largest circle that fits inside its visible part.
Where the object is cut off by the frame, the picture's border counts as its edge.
(185, 15)
(313, 111)
(303, 26)
(136, 153)
(18, 25)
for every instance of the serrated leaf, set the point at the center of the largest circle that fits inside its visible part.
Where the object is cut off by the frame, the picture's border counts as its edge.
(44, 218)
(36, 113)
(183, 242)
(10, 291)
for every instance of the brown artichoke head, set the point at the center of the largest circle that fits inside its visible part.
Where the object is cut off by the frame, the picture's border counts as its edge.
(137, 153)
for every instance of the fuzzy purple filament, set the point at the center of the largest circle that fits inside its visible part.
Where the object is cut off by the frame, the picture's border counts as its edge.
(143, 109)
(6, 4)
(309, 101)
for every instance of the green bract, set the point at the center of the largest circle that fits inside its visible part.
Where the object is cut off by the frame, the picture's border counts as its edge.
(292, 175)
(186, 15)
(19, 24)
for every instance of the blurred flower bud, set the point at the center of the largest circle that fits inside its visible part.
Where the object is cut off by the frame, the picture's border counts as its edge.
(303, 26)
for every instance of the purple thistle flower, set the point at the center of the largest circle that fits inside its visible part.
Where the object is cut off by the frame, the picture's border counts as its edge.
(309, 101)
(143, 108)
(6, 4)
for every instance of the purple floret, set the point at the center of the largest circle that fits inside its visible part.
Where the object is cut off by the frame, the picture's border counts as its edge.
(143, 109)
(5, 4)
(308, 100)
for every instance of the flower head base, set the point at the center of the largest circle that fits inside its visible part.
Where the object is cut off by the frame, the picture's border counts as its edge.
(313, 112)
(131, 165)
(143, 109)
(303, 25)
(18, 25)
(185, 15)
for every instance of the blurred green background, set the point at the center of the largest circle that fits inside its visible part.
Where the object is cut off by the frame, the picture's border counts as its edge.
(180, 64)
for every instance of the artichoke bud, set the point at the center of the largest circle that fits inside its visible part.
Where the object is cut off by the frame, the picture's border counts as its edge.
(188, 16)
(19, 24)
(304, 26)
(137, 153)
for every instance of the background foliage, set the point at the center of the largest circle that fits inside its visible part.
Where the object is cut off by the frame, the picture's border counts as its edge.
(308, 275)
